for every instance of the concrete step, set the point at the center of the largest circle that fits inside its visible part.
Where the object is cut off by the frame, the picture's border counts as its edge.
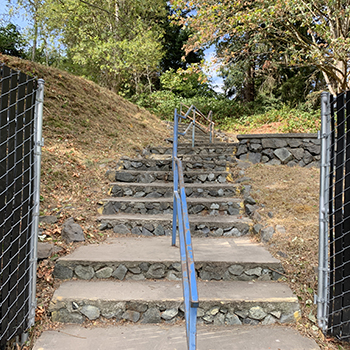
(153, 204)
(225, 157)
(194, 176)
(166, 164)
(210, 148)
(159, 189)
(220, 302)
(165, 337)
(139, 258)
(149, 225)
(198, 138)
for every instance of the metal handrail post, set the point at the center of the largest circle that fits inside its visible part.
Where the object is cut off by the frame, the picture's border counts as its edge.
(210, 126)
(194, 126)
(176, 178)
(38, 143)
(192, 339)
(323, 218)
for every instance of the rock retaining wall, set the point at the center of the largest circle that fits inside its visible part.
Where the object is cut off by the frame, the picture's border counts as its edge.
(275, 149)
(218, 314)
(169, 270)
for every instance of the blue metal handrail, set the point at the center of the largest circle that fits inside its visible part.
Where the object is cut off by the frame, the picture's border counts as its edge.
(194, 123)
(180, 220)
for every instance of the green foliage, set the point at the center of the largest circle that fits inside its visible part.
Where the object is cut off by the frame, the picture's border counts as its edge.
(186, 83)
(11, 41)
(287, 119)
(163, 104)
(175, 37)
(292, 33)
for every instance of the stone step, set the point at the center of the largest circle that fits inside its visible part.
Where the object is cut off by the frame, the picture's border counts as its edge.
(135, 258)
(194, 176)
(159, 189)
(198, 138)
(210, 148)
(165, 337)
(225, 157)
(154, 204)
(158, 225)
(220, 302)
(166, 164)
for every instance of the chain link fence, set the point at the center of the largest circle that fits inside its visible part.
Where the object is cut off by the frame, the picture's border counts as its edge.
(21, 103)
(334, 250)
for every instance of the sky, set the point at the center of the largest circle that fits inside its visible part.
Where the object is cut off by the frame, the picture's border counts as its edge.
(20, 21)
(217, 81)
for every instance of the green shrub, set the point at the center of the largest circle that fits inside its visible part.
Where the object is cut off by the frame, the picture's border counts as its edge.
(235, 116)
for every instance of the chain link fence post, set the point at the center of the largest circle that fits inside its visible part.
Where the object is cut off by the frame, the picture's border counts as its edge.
(322, 293)
(38, 140)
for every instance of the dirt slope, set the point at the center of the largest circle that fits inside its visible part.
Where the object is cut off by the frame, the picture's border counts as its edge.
(86, 129)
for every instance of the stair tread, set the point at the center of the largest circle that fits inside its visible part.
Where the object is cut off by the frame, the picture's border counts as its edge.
(168, 217)
(164, 290)
(140, 249)
(190, 172)
(170, 199)
(169, 160)
(170, 184)
(165, 337)
(156, 156)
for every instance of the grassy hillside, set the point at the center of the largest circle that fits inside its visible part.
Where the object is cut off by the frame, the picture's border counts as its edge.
(86, 129)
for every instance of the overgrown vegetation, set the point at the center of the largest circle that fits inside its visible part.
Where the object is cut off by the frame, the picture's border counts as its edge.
(236, 117)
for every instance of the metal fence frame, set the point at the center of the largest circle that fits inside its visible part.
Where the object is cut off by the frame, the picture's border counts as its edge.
(21, 113)
(333, 298)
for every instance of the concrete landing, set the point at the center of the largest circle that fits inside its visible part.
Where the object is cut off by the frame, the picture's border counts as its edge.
(152, 337)
(141, 249)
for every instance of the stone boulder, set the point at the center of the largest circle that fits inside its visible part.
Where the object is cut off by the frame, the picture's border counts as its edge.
(72, 232)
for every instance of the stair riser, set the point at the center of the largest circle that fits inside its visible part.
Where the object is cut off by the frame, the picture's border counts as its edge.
(229, 208)
(203, 150)
(170, 270)
(210, 312)
(198, 139)
(137, 192)
(166, 165)
(161, 176)
(164, 227)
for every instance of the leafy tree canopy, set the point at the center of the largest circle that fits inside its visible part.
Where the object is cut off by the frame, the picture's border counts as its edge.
(11, 41)
(305, 33)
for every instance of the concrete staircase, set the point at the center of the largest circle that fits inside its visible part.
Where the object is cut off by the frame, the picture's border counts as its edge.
(135, 278)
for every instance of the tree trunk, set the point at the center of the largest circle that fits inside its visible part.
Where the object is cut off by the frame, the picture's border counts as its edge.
(35, 39)
(249, 88)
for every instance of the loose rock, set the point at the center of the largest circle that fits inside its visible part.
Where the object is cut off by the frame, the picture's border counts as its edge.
(72, 232)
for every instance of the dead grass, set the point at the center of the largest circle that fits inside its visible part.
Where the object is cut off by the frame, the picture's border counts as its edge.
(291, 195)
(86, 129)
